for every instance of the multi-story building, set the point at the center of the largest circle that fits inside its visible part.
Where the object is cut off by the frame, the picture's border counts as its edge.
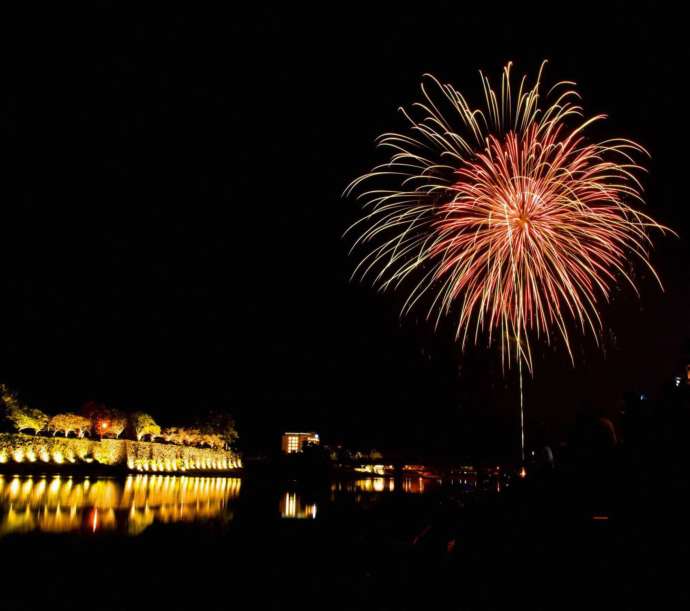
(294, 442)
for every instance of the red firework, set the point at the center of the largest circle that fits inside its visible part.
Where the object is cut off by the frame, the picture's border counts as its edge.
(506, 217)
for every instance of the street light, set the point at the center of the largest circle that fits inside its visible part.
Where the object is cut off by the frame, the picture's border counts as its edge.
(102, 427)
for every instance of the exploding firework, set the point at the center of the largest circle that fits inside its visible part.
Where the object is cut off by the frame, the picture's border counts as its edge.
(505, 217)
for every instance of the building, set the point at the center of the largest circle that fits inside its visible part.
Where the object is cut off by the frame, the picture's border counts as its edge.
(294, 442)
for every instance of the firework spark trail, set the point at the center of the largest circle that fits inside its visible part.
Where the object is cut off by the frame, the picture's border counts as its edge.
(506, 216)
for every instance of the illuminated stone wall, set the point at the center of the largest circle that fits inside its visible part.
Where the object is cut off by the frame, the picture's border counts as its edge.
(144, 456)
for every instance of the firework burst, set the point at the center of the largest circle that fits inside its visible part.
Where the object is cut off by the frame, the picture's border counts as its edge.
(507, 217)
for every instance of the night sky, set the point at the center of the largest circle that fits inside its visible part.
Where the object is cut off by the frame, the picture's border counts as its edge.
(172, 215)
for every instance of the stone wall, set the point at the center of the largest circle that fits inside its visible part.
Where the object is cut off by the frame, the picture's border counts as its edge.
(135, 455)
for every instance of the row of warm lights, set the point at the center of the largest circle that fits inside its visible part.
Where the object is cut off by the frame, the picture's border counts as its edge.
(140, 490)
(160, 489)
(377, 469)
(133, 481)
(20, 455)
(57, 492)
(380, 484)
(167, 465)
(141, 480)
(377, 484)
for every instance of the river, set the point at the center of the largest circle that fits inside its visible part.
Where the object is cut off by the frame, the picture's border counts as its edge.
(197, 543)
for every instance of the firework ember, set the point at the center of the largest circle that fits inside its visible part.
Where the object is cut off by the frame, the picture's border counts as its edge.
(506, 217)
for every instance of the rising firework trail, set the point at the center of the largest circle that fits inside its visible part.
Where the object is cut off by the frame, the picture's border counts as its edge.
(507, 217)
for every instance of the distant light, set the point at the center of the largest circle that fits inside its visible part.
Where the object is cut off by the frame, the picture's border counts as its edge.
(523, 472)
(643, 397)
(678, 380)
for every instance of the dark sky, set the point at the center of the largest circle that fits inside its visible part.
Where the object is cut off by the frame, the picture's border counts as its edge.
(172, 214)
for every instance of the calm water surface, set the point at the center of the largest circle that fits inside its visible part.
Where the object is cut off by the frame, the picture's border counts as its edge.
(127, 507)
(214, 543)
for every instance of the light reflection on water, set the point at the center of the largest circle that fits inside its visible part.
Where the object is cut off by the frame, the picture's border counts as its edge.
(292, 506)
(296, 506)
(64, 504)
(79, 504)
(409, 485)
